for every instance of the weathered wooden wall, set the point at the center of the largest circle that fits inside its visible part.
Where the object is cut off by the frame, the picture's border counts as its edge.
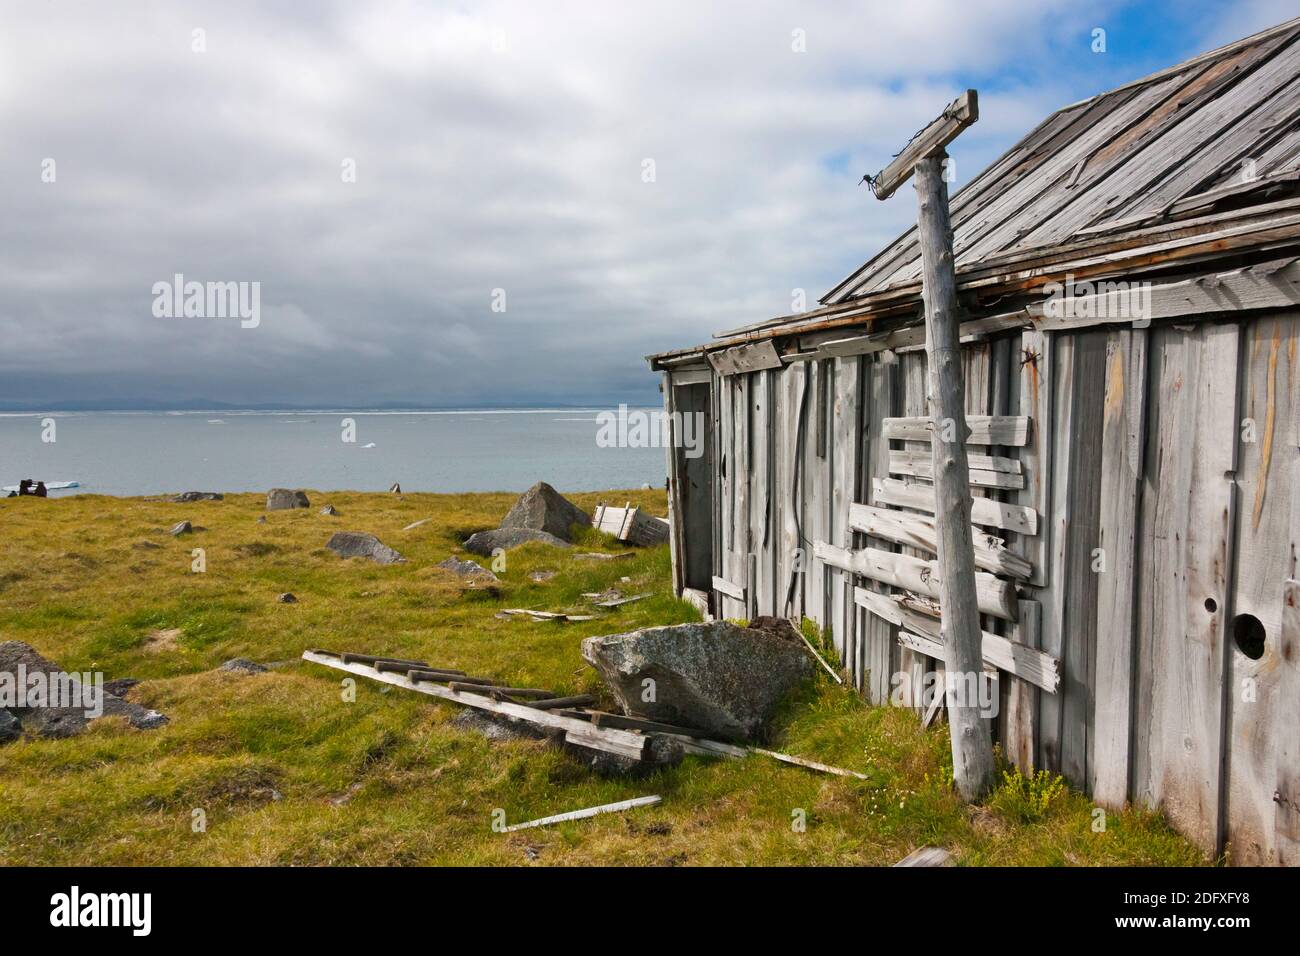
(1161, 465)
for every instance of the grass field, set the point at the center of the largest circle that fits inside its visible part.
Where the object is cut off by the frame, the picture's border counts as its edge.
(286, 772)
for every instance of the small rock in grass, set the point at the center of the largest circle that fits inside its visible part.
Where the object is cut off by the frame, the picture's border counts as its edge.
(540, 577)
(486, 542)
(146, 546)
(187, 496)
(183, 527)
(10, 729)
(473, 574)
(242, 665)
(119, 687)
(542, 508)
(287, 598)
(329, 510)
(261, 519)
(282, 499)
(359, 544)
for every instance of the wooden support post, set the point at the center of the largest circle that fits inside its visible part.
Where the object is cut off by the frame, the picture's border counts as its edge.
(972, 740)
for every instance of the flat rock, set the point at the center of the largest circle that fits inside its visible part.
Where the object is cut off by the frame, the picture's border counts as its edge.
(542, 508)
(185, 496)
(287, 598)
(10, 729)
(360, 544)
(46, 721)
(474, 574)
(660, 752)
(283, 499)
(182, 527)
(242, 665)
(724, 679)
(486, 542)
(121, 686)
(541, 576)
(496, 726)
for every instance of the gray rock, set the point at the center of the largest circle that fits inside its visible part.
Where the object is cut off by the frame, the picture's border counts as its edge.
(474, 574)
(287, 598)
(485, 542)
(541, 576)
(661, 752)
(242, 665)
(329, 510)
(183, 527)
(723, 679)
(359, 544)
(542, 508)
(261, 519)
(496, 726)
(10, 729)
(121, 686)
(47, 721)
(283, 499)
(185, 496)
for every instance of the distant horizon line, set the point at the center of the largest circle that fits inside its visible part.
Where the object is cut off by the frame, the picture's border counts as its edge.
(225, 408)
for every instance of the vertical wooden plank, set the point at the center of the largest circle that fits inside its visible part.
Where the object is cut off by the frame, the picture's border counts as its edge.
(1078, 681)
(718, 491)
(1123, 421)
(1056, 518)
(1262, 552)
(1284, 738)
(1036, 389)
(743, 546)
(916, 402)
(846, 450)
(881, 637)
(676, 487)
(760, 493)
(791, 559)
(1190, 497)
(812, 495)
(1020, 736)
(727, 511)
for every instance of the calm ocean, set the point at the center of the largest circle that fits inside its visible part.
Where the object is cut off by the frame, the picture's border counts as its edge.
(142, 453)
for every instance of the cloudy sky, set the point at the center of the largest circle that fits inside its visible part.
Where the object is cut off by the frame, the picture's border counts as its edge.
(496, 146)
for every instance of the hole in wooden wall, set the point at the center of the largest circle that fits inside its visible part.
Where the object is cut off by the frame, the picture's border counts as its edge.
(1211, 605)
(1248, 633)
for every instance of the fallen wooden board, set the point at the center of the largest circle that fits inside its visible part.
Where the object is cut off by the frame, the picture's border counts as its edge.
(993, 594)
(927, 856)
(918, 531)
(733, 591)
(820, 660)
(611, 740)
(589, 812)
(631, 525)
(984, 429)
(692, 744)
(810, 764)
(600, 556)
(546, 615)
(619, 602)
(983, 511)
(537, 692)
(919, 465)
(557, 703)
(1020, 660)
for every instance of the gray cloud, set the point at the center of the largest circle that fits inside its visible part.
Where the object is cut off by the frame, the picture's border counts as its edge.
(498, 145)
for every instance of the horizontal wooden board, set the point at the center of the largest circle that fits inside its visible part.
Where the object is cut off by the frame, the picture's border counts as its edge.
(733, 591)
(1020, 660)
(919, 531)
(984, 511)
(919, 465)
(993, 595)
(984, 429)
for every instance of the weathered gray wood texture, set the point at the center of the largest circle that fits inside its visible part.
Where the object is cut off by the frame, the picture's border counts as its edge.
(1161, 466)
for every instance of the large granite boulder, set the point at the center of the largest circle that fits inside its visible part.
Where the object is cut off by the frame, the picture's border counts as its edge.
(542, 508)
(359, 544)
(39, 716)
(715, 676)
(285, 499)
(486, 542)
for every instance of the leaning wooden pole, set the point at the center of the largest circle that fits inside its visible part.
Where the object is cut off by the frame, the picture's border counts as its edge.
(972, 742)
(923, 157)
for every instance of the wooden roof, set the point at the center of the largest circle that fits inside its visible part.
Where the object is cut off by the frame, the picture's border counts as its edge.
(1146, 175)
(1135, 155)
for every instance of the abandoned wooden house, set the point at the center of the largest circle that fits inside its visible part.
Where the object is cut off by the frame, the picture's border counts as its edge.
(1129, 275)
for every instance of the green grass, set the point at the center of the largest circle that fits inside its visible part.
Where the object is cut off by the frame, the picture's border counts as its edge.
(286, 772)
